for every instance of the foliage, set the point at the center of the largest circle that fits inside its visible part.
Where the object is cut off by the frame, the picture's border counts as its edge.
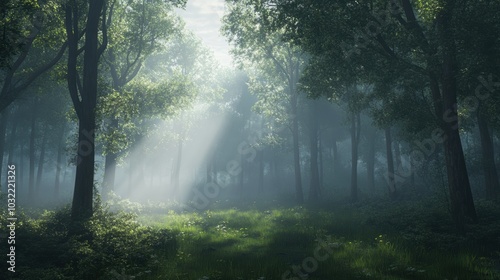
(114, 246)
(231, 241)
(14, 24)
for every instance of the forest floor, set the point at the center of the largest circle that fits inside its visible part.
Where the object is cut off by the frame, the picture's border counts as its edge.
(266, 240)
(376, 240)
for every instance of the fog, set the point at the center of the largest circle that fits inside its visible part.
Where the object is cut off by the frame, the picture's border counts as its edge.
(224, 139)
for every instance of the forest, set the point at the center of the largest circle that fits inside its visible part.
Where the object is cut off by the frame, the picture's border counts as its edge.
(343, 139)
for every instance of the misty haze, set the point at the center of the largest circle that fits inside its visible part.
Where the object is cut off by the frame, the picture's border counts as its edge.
(249, 139)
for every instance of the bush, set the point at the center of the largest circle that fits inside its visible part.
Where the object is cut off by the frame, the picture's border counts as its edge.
(112, 245)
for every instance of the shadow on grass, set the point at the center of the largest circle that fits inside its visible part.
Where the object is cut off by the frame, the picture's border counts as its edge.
(289, 243)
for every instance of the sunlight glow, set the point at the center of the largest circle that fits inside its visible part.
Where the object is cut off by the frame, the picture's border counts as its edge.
(203, 17)
(147, 173)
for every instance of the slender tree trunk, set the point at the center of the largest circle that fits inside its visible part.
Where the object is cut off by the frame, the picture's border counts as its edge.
(22, 165)
(313, 144)
(12, 141)
(41, 160)
(3, 127)
(177, 169)
(214, 167)
(32, 151)
(276, 178)
(370, 162)
(490, 171)
(390, 164)
(242, 174)
(260, 156)
(60, 149)
(355, 130)
(296, 151)
(320, 162)
(336, 159)
(110, 161)
(209, 172)
(397, 157)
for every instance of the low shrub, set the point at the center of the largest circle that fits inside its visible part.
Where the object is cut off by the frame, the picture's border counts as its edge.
(110, 245)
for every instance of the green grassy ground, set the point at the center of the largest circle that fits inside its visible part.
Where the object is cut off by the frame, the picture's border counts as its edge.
(258, 241)
(279, 242)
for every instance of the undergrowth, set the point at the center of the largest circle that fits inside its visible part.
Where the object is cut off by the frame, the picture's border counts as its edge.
(112, 245)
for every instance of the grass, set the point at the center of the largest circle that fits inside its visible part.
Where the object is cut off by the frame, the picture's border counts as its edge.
(259, 241)
(255, 242)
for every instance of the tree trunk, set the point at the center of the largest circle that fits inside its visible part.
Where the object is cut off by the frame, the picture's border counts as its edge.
(242, 174)
(209, 171)
(22, 169)
(462, 204)
(320, 162)
(177, 169)
(32, 151)
(397, 158)
(12, 141)
(336, 159)
(370, 161)
(3, 127)
(276, 177)
(490, 171)
(214, 167)
(296, 151)
(82, 207)
(390, 164)
(313, 144)
(59, 160)
(260, 155)
(355, 131)
(110, 161)
(41, 160)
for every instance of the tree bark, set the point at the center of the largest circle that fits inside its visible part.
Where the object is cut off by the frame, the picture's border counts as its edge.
(462, 204)
(260, 156)
(296, 150)
(60, 150)
(12, 141)
(313, 144)
(336, 159)
(177, 169)
(110, 161)
(355, 132)
(320, 162)
(397, 157)
(32, 151)
(41, 160)
(390, 164)
(370, 161)
(82, 206)
(490, 171)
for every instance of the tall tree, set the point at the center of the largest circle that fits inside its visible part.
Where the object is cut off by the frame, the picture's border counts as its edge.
(83, 92)
(249, 29)
(375, 33)
(132, 37)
